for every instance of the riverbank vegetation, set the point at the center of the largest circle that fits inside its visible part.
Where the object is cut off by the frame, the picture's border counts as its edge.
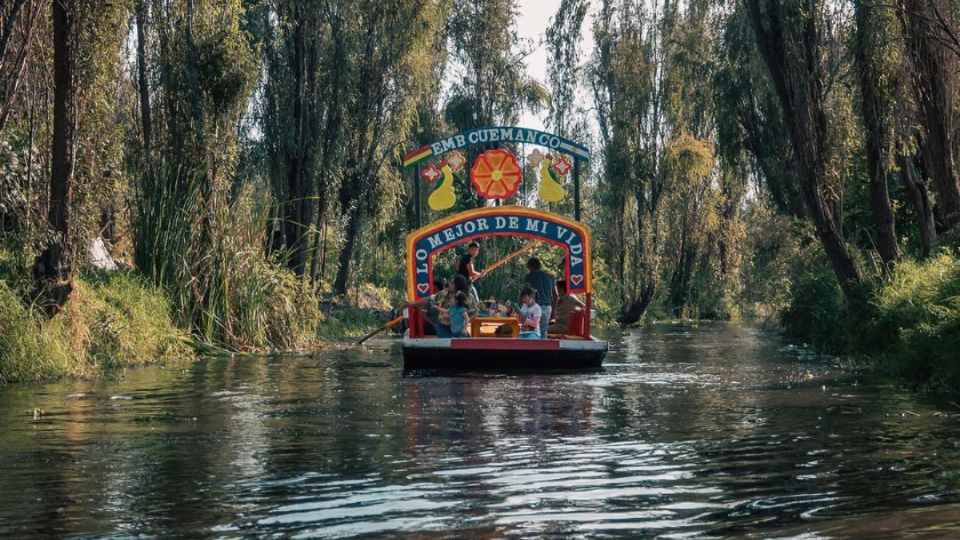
(792, 162)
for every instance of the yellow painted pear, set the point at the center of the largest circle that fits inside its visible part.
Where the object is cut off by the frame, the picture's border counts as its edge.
(549, 190)
(444, 196)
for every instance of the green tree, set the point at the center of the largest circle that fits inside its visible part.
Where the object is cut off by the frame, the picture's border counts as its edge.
(791, 41)
(53, 271)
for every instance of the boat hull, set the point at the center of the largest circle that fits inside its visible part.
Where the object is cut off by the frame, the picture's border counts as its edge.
(502, 354)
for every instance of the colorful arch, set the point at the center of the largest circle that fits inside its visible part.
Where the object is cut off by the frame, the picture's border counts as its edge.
(572, 236)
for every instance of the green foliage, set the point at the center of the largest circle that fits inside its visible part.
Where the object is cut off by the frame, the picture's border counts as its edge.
(224, 290)
(913, 326)
(346, 321)
(909, 327)
(817, 309)
(111, 321)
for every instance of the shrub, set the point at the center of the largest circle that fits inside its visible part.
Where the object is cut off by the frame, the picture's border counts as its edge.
(817, 309)
(914, 323)
(110, 321)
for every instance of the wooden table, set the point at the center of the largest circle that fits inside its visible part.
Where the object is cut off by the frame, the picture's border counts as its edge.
(487, 326)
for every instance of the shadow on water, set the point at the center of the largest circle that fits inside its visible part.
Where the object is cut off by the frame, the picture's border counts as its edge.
(708, 431)
(508, 372)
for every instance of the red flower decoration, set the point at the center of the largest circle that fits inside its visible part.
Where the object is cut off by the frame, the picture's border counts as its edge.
(562, 166)
(431, 174)
(496, 174)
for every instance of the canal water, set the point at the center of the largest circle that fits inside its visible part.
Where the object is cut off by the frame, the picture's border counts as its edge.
(711, 431)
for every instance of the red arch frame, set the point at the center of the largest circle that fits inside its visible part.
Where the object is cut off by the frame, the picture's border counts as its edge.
(492, 212)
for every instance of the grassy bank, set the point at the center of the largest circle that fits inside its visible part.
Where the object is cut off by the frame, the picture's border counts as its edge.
(111, 321)
(908, 327)
(115, 320)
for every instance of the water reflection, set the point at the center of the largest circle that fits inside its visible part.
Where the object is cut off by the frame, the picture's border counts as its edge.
(687, 431)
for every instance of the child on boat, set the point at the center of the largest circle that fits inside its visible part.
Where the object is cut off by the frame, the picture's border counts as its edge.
(458, 315)
(443, 300)
(529, 314)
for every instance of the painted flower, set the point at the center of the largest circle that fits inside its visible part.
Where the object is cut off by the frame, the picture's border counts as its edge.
(535, 157)
(496, 174)
(562, 166)
(456, 160)
(431, 174)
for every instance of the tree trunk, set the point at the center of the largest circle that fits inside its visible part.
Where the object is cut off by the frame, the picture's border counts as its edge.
(789, 44)
(53, 269)
(294, 220)
(875, 111)
(142, 80)
(934, 81)
(635, 310)
(346, 251)
(919, 196)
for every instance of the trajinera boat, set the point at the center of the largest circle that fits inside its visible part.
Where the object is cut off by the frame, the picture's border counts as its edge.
(496, 176)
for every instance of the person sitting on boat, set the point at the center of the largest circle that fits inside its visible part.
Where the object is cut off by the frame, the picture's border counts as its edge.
(567, 305)
(465, 268)
(432, 315)
(529, 314)
(435, 306)
(543, 283)
(458, 315)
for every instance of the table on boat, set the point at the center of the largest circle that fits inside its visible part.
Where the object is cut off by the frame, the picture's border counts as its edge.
(487, 326)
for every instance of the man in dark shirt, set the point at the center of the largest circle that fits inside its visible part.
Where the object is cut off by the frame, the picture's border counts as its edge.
(465, 267)
(546, 291)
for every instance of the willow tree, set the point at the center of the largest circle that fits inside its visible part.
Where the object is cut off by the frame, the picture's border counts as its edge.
(302, 119)
(876, 91)
(494, 88)
(790, 37)
(635, 89)
(388, 62)
(751, 133)
(931, 43)
(564, 68)
(18, 27)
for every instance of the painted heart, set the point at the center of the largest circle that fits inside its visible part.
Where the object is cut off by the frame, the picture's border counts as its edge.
(576, 280)
(423, 288)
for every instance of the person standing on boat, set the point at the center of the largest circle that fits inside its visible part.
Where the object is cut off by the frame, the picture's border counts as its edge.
(546, 291)
(465, 268)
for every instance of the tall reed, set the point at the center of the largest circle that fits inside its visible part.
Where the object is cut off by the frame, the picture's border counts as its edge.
(211, 260)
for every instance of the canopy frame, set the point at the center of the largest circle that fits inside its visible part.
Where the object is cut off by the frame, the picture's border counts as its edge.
(573, 237)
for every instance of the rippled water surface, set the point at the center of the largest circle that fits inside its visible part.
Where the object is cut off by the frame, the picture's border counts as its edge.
(712, 431)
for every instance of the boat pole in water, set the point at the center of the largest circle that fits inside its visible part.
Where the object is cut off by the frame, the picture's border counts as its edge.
(390, 324)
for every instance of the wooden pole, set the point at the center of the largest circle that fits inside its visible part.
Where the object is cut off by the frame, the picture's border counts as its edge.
(505, 260)
(576, 189)
(390, 324)
(416, 191)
